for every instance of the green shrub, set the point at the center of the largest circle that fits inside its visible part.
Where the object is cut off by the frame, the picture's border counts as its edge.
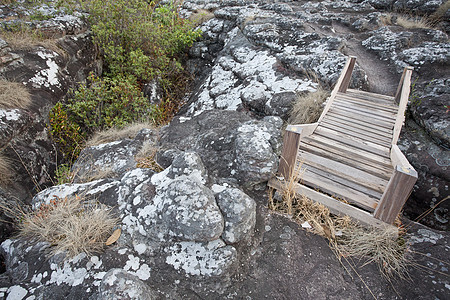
(65, 132)
(140, 38)
(96, 105)
(140, 41)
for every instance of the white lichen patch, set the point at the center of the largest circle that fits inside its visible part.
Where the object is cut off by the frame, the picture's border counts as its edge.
(16, 292)
(201, 259)
(9, 115)
(47, 77)
(424, 236)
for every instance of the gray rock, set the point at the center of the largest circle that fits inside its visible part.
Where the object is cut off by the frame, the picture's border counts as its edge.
(239, 212)
(189, 210)
(189, 164)
(119, 284)
(255, 156)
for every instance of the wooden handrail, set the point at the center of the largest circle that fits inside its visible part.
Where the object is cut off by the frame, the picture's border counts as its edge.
(403, 91)
(341, 84)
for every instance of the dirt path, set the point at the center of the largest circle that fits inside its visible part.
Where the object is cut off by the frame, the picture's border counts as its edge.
(379, 74)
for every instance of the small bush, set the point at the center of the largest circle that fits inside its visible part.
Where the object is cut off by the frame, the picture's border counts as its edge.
(72, 225)
(308, 107)
(14, 95)
(63, 174)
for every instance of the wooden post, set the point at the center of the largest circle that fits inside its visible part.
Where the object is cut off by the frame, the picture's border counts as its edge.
(397, 192)
(403, 96)
(348, 75)
(291, 142)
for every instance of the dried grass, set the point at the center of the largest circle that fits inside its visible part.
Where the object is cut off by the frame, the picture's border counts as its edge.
(346, 238)
(26, 39)
(414, 22)
(114, 134)
(308, 107)
(71, 225)
(5, 170)
(200, 16)
(96, 173)
(13, 95)
(382, 246)
(145, 158)
(407, 22)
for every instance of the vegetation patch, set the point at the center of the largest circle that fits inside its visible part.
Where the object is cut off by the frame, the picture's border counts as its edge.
(14, 95)
(5, 170)
(71, 225)
(386, 248)
(146, 157)
(140, 42)
(308, 107)
(113, 134)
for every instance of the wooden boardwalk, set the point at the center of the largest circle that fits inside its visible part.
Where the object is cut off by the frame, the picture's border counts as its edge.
(351, 153)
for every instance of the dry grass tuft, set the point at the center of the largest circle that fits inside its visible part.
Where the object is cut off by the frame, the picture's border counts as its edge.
(5, 170)
(25, 38)
(13, 95)
(72, 225)
(414, 22)
(384, 247)
(96, 173)
(346, 238)
(200, 16)
(439, 14)
(308, 107)
(114, 134)
(145, 158)
(410, 22)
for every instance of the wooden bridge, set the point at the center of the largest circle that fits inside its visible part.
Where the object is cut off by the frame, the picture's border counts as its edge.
(350, 159)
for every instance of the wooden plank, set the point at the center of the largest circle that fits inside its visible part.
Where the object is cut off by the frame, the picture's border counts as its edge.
(371, 119)
(369, 95)
(345, 171)
(373, 113)
(397, 192)
(336, 88)
(304, 129)
(338, 181)
(360, 122)
(367, 119)
(348, 159)
(359, 125)
(351, 141)
(332, 188)
(398, 159)
(326, 130)
(291, 141)
(336, 207)
(343, 149)
(358, 132)
(365, 103)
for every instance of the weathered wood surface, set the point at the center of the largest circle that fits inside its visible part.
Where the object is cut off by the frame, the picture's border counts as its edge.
(351, 153)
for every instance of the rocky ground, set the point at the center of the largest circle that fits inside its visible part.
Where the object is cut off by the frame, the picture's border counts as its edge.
(201, 229)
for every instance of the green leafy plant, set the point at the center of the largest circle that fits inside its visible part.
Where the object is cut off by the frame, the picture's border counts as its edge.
(63, 174)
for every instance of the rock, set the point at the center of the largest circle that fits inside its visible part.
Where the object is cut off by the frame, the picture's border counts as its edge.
(229, 145)
(239, 211)
(114, 158)
(217, 258)
(119, 284)
(255, 157)
(189, 210)
(47, 74)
